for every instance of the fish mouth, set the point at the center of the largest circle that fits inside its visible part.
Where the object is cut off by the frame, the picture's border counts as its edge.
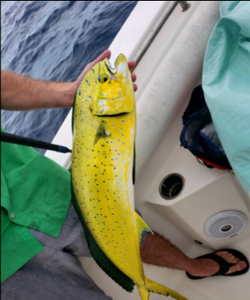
(112, 70)
(113, 116)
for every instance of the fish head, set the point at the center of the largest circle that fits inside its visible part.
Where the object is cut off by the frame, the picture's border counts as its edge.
(114, 93)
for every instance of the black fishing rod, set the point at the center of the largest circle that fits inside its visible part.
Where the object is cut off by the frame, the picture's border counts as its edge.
(16, 139)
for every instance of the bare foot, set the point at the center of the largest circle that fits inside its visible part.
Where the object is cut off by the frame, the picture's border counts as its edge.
(208, 267)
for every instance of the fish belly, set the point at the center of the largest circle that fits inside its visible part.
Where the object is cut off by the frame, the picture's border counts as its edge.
(102, 181)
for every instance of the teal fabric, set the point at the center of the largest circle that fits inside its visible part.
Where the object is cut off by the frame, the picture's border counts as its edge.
(226, 84)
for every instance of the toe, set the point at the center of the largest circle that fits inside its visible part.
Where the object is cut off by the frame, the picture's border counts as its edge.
(229, 257)
(232, 258)
(239, 266)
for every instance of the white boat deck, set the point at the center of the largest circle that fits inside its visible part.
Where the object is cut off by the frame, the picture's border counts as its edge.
(167, 74)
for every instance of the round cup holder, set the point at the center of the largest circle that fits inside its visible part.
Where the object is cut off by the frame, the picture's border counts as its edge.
(172, 186)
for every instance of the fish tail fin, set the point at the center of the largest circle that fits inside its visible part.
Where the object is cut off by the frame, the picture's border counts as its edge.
(144, 293)
(155, 287)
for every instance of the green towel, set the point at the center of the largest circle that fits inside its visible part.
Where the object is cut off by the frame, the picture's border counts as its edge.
(35, 193)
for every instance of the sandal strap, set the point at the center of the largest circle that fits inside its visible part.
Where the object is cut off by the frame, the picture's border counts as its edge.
(224, 265)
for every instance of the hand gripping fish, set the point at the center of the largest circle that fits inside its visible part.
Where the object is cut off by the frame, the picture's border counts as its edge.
(103, 173)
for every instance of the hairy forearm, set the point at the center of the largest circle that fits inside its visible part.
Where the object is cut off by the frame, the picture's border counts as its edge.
(23, 93)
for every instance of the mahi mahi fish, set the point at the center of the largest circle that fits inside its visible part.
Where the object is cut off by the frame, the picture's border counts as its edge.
(103, 175)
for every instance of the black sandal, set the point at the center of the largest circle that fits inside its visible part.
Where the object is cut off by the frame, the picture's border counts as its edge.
(224, 265)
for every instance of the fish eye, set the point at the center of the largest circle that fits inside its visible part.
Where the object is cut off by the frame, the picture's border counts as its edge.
(103, 78)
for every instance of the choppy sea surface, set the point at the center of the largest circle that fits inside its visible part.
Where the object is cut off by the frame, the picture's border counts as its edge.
(54, 40)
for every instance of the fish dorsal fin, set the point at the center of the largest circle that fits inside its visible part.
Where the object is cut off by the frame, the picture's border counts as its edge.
(134, 165)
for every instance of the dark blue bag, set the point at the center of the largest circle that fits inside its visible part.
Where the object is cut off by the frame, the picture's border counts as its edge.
(198, 134)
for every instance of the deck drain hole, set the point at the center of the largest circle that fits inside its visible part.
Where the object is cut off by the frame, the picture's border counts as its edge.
(226, 228)
(171, 186)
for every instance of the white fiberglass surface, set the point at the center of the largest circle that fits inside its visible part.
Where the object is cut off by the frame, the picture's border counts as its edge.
(206, 192)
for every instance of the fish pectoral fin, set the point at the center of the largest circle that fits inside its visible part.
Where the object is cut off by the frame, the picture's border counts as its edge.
(102, 131)
(154, 287)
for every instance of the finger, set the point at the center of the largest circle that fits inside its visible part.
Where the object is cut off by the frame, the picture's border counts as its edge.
(105, 54)
(135, 87)
(133, 76)
(131, 64)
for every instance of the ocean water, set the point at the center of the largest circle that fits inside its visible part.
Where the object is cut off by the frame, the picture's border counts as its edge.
(54, 40)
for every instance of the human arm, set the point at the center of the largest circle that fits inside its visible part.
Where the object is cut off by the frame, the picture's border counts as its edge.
(22, 93)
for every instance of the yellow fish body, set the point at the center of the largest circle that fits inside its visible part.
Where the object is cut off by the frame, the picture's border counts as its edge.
(103, 164)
